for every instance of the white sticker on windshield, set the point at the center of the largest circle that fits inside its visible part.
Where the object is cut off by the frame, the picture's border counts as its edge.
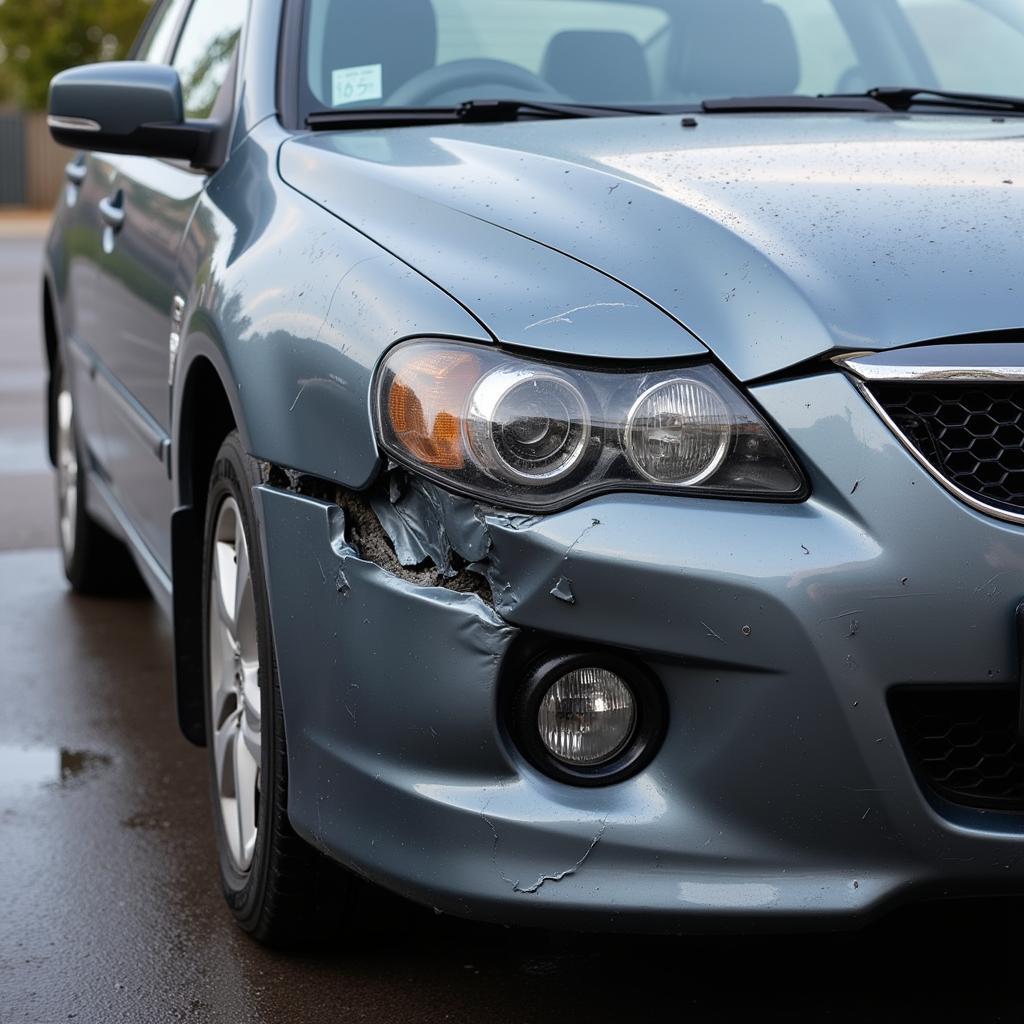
(354, 85)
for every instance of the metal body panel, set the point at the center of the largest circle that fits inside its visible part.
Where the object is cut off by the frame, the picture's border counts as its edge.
(781, 791)
(125, 320)
(773, 238)
(294, 309)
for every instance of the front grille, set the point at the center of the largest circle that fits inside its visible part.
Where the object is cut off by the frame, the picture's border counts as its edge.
(964, 744)
(972, 434)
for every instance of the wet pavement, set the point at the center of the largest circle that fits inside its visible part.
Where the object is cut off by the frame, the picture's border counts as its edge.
(110, 903)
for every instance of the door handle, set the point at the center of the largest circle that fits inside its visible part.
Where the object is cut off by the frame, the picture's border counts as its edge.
(112, 210)
(75, 172)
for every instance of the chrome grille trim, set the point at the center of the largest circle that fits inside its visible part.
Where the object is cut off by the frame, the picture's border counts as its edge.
(933, 364)
(970, 363)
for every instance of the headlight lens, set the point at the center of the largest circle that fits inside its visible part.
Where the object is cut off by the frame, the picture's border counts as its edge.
(533, 435)
(528, 426)
(678, 432)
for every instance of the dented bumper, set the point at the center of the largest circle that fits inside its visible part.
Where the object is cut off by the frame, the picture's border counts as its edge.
(782, 790)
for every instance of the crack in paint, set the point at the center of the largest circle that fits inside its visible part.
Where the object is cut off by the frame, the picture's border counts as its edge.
(709, 632)
(566, 317)
(557, 876)
(594, 523)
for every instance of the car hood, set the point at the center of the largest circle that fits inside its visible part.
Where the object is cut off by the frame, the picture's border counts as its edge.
(769, 239)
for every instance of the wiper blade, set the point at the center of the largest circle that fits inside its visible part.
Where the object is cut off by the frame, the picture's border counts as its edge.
(470, 112)
(903, 98)
(883, 99)
(794, 104)
(511, 110)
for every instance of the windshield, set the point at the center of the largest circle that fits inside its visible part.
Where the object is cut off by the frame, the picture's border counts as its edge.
(420, 53)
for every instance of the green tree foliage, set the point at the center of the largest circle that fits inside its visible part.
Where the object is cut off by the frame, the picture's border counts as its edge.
(38, 38)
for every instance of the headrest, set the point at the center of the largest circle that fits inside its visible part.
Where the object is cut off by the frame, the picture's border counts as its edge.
(734, 48)
(399, 35)
(598, 67)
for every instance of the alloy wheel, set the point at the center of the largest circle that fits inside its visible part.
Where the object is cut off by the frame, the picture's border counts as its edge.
(234, 684)
(67, 472)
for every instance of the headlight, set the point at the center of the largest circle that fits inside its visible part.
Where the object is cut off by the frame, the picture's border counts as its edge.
(527, 425)
(536, 435)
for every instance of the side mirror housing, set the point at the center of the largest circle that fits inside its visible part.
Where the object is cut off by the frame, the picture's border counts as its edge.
(126, 107)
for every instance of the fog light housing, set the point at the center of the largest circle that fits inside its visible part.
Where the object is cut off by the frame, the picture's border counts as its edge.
(589, 718)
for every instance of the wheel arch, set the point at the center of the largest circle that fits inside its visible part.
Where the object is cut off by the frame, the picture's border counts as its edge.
(205, 415)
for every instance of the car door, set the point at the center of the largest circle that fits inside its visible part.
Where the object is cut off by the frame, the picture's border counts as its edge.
(144, 214)
(85, 321)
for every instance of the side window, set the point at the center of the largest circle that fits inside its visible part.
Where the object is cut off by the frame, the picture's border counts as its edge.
(159, 32)
(204, 52)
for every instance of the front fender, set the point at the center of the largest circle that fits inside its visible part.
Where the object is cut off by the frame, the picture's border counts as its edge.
(294, 309)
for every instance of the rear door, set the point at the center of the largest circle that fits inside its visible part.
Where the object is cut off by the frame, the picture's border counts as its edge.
(145, 212)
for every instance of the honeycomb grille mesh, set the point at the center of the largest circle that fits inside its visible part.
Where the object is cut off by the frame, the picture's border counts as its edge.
(964, 745)
(972, 434)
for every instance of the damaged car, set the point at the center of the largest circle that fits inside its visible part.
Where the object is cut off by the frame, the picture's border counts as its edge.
(580, 443)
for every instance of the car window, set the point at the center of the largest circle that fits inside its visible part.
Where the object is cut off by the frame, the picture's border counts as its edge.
(160, 31)
(956, 33)
(498, 30)
(345, 67)
(653, 52)
(827, 57)
(204, 52)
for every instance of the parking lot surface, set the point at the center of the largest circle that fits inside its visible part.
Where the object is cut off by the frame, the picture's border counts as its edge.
(110, 902)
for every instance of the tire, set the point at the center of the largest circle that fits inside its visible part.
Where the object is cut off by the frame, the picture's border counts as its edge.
(95, 562)
(276, 885)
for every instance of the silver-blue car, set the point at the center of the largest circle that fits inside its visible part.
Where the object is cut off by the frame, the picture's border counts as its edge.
(580, 443)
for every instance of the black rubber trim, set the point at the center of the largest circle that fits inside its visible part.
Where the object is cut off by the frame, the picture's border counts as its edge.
(648, 732)
(187, 567)
(289, 65)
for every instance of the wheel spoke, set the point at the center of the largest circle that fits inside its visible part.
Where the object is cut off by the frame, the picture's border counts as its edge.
(245, 789)
(251, 717)
(245, 606)
(224, 743)
(224, 701)
(224, 584)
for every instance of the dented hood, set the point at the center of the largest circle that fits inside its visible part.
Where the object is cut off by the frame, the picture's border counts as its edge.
(768, 239)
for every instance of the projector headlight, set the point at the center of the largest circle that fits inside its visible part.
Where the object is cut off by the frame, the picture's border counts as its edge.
(534, 435)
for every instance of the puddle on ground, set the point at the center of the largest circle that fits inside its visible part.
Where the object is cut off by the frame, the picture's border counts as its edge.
(23, 768)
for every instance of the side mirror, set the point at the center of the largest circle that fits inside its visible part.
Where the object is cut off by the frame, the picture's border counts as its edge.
(126, 107)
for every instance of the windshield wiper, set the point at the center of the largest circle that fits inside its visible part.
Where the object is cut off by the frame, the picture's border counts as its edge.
(470, 112)
(903, 98)
(794, 104)
(883, 99)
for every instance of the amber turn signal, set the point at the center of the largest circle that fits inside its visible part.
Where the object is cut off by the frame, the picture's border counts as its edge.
(425, 403)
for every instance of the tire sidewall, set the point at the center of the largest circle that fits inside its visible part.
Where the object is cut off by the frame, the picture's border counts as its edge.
(232, 477)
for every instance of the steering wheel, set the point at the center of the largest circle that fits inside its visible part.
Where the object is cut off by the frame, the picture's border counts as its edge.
(470, 77)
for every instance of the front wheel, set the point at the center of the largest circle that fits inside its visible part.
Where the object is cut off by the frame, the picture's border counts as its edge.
(275, 884)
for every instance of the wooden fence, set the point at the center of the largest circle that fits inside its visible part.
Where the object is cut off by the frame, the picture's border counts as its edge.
(31, 163)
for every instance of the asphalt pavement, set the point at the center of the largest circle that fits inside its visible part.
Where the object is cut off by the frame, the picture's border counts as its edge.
(109, 902)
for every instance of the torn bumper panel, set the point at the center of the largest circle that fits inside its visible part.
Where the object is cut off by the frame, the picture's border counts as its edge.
(782, 790)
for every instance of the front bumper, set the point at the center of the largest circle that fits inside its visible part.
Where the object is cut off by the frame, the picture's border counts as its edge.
(782, 790)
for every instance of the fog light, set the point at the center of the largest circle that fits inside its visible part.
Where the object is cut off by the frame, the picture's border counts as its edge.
(587, 716)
